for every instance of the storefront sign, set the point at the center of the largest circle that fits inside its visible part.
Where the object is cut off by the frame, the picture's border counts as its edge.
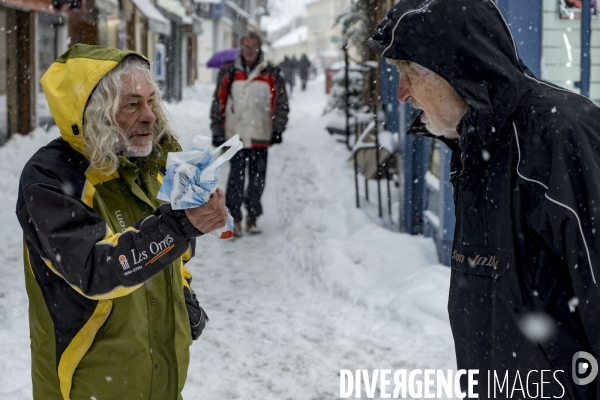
(204, 10)
(61, 4)
(160, 53)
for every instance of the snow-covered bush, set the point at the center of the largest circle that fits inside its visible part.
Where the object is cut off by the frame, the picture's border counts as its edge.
(337, 96)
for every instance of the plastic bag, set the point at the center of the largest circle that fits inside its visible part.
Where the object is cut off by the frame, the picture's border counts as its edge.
(191, 177)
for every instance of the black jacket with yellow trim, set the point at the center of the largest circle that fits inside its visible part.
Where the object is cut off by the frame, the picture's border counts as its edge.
(78, 260)
(77, 244)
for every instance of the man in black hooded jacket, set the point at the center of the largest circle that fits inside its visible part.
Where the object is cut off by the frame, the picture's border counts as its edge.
(524, 292)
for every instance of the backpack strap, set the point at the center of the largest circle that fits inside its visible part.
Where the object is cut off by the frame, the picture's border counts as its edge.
(230, 83)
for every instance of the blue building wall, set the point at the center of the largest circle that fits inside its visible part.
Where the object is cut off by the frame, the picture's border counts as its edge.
(389, 89)
(525, 20)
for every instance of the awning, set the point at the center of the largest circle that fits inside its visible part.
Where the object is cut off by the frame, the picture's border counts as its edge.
(110, 7)
(173, 7)
(156, 21)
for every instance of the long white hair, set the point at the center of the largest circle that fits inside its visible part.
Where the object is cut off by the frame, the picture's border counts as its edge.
(102, 136)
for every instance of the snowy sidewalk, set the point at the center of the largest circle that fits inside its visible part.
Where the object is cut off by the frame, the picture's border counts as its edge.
(324, 287)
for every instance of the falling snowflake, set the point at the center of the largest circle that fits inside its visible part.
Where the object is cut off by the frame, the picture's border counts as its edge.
(537, 327)
(573, 303)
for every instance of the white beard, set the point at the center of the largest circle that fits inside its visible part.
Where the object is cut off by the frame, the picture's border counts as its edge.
(138, 151)
(128, 149)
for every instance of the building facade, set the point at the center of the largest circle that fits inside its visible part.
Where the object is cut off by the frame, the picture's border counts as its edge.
(142, 25)
(293, 44)
(324, 36)
(33, 33)
(224, 22)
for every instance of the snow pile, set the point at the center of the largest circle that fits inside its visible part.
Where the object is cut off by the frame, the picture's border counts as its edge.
(15, 381)
(13, 156)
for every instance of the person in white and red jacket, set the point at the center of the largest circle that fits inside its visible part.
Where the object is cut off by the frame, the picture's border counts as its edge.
(250, 100)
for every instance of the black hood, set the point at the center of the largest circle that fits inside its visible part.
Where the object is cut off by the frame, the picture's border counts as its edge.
(468, 43)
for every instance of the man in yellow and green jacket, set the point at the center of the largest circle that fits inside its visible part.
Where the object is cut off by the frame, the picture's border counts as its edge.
(111, 310)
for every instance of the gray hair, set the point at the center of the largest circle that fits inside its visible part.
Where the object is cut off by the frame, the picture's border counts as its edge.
(102, 135)
(253, 36)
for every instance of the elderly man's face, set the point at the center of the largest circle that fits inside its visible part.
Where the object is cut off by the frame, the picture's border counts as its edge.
(135, 116)
(442, 107)
(250, 51)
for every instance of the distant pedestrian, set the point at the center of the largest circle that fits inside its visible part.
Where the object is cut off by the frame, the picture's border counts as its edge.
(288, 68)
(303, 70)
(250, 100)
(294, 69)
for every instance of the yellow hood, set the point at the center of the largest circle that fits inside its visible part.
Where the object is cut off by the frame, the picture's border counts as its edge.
(69, 82)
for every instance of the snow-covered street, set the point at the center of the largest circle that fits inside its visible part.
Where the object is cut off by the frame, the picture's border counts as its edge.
(325, 287)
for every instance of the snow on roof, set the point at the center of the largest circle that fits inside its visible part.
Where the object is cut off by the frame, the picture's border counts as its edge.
(296, 36)
(158, 22)
(272, 24)
(149, 10)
